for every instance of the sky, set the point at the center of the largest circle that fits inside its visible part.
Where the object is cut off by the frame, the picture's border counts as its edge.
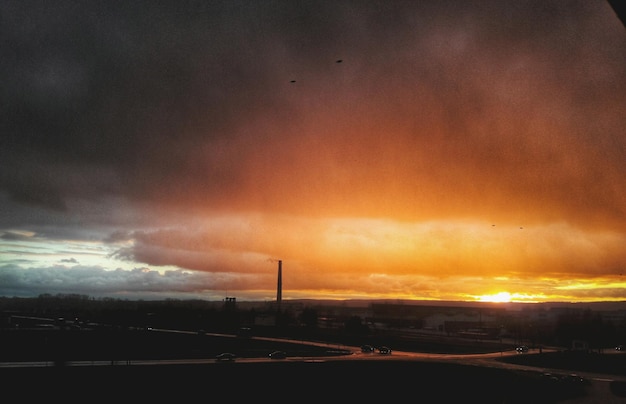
(423, 150)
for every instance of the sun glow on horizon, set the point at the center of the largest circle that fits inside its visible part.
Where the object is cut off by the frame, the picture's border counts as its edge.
(500, 297)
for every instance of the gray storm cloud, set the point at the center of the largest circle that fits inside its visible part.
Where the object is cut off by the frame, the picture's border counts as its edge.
(146, 98)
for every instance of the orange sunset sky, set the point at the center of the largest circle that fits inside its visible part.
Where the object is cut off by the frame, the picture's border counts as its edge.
(440, 150)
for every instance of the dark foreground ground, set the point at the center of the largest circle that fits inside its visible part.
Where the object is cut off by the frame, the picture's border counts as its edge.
(276, 380)
(286, 381)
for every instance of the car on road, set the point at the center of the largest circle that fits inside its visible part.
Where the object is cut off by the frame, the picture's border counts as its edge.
(367, 348)
(522, 349)
(226, 357)
(384, 350)
(278, 355)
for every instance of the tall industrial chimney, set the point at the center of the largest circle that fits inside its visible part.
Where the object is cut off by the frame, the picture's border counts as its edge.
(279, 289)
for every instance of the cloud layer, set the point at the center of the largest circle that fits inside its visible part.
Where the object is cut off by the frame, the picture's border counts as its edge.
(376, 147)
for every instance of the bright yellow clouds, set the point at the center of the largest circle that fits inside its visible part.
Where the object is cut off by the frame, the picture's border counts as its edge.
(455, 260)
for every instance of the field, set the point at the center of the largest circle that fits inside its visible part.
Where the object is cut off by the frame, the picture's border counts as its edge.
(280, 380)
(365, 381)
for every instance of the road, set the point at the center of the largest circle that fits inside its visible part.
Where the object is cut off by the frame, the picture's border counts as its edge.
(598, 387)
(350, 353)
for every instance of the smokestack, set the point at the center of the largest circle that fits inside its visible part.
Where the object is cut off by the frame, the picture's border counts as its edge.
(279, 290)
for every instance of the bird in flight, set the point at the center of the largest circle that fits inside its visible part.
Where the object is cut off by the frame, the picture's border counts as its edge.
(337, 61)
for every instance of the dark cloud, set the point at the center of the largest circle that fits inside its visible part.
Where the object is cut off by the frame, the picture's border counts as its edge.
(69, 261)
(147, 98)
(118, 236)
(95, 281)
(13, 236)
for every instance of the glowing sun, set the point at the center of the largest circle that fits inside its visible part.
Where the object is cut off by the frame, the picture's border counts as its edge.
(501, 297)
